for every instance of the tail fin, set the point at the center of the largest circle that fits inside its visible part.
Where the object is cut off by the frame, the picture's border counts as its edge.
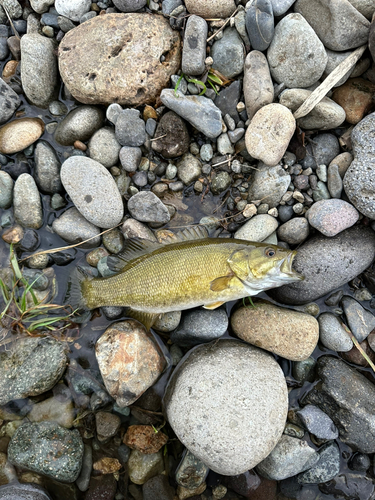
(74, 296)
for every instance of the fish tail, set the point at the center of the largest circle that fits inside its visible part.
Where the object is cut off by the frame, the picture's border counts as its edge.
(75, 293)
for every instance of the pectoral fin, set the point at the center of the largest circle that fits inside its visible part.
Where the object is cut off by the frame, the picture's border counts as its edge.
(222, 283)
(147, 319)
(215, 305)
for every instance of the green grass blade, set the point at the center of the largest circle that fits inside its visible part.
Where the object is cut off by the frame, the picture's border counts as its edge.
(178, 84)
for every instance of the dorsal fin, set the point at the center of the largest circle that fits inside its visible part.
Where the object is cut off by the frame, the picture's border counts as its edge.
(134, 248)
(188, 234)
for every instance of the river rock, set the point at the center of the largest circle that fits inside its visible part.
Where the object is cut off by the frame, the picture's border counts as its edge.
(26, 202)
(189, 168)
(290, 334)
(38, 69)
(9, 101)
(20, 134)
(228, 54)
(258, 228)
(6, 190)
(338, 393)
(47, 168)
(337, 23)
(198, 326)
(209, 381)
(146, 207)
(296, 55)
(174, 136)
(200, 111)
(79, 125)
(281, 6)
(334, 59)
(211, 8)
(330, 217)
(104, 147)
(260, 24)
(129, 5)
(328, 263)
(326, 468)
(294, 231)
(194, 50)
(318, 423)
(109, 75)
(356, 98)
(257, 84)
(143, 467)
(34, 366)
(333, 334)
(72, 9)
(191, 472)
(129, 361)
(360, 321)
(93, 191)
(144, 439)
(269, 184)
(130, 129)
(74, 228)
(15, 491)
(268, 135)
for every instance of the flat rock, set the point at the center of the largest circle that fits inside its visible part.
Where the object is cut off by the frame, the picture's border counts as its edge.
(210, 380)
(174, 136)
(27, 205)
(268, 135)
(74, 228)
(269, 184)
(356, 98)
(19, 134)
(93, 191)
(290, 334)
(337, 23)
(330, 217)
(296, 55)
(211, 8)
(228, 54)
(146, 207)
(260, 24)
(194, 50)
(258, 228)
(326, 115)
(327, 467)
(328, 263)
(9, 102)
(200, 111)
(332, 333)
(318, 423)
(79, 125)
(95, 65)
(257, 83)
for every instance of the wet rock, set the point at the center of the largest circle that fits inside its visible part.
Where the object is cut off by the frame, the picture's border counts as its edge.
(304, 370)
(360, 462)
(330, 217)
(350, 485)
(221, 182)
(333, 334)
(269, 133)
(355, 356)
(191, 472)
(219, 370)
(6, 190)
(174, 136)
(257, 84)
(104, 148)
(38, 69)
(20, 134)
(338, 394)
(157, 487)
(107, 425)
(356, 98)
(189, 168)
(198, 326)
(258, 228)
(289, 457)
(260, 24)
(74, 228)
(143, 467)
(296, 55)
(327, 467)
(290, 334)
(194, 50)
(134, 229)
(328, 263)
(47, 168)
(93, 191)
(360, 321)
(338, 24)
(325, 115)
(318, 423)
(83, 479)
(144, 439)
(130, 128)
(17, 491)
(109, 75)
(79, 125)
(269, 184)
(200, 111)
(211, 8)
(146, 207)
(48, 449)
(127, 376)
(294, 231)
(228, 54)
(9, 101)
(26, 202)
(55, 410)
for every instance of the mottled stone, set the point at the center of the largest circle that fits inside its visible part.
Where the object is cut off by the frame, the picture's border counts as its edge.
(211, 8)
(228, 54)
(361, 322)
(174, 136)
(79, 125)
(143, 467)
(144, 439)
(20, 134)
(333, 334)
(9, 101)
(55, 410)
(27, 204)
(47, 168)
(104, 148)
(356, 97)
(318, 423)
(74, 228)
(294, 231)
(269, 184)
(257, 83)
(194, 50)
(129, 5)
(330, 217)
(327, 468)
(146, 207)
(258, 228)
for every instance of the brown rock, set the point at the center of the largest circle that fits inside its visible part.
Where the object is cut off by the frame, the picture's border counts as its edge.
(355, 356)
(13, 235)
(10, 69)
(290, 334)
(150, 112)
(174, 136)
(144, 439)
(356, 96)
(107, 465)
(107, 424)
(129, 361)
(211, 8)
(343, 161)
(17, 135)
(116, 58)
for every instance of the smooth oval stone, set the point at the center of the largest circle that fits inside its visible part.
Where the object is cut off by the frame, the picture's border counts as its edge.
(74, 228)
(268, 135)
(194, 50)
(294, 231)
(6, 190)
(330, 217)
(257, 83)
(93, 191)
(228, 54)
(109, 75)
(290, 334)
(328, 263)
(47, 168)
(104, 147)
(27, 204)
(213, 378)
(333, 334)
(20, 134)
(79, 125)
(258, 228)
(211, 8)
(260, 24)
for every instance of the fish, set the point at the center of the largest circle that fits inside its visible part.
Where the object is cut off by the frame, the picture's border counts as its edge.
(187, 270)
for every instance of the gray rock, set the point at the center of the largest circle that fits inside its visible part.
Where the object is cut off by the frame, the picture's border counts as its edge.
(269, 184)
(286, 212)
(194, 50)
(240, 24)
(17, 491)
(334, 181)
(258, 228)
(198, 326)
(41, 6)
(158, 486)
(168, 6)
(318, 423)
(47, 168)
(327, 467)
(151, 125)
(167, 322)
(129, 5)
(84, 477)
(321, 151)
(328, 263)
(224, 145)
(130, 158)
(79, 124)
(289, 457)
(130, 128)
(4, 49)
(208, 381)
(9, 101)
(189, 168)
(332, 333)
(257, 84)
(281, 6)
(191, 472)
(104, 148)
(13, 7)
(26, 202)
(338, 393)
(228, 54)
(6, 190)
(197, 110)
(72, 9)
(296, 55)
(361, 322)
(236, 135)
(146, 207)
(140, 179)
(38, 69)
(221, 182)
(32, 367)
(294, 231)
(334, 59)
(74, 228)
(337, 23)
(174, 136)
(134, 229)
(365, 7)
(113, 112)
(228, 98)
(260, 24)
(47, 448)
(330, 217)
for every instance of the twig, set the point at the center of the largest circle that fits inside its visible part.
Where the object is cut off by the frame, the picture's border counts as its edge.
(11, 22)
(357, 344)
(221, 29)
(157, 138)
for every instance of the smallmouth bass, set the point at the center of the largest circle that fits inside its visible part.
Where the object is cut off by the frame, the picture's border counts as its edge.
(153, 278)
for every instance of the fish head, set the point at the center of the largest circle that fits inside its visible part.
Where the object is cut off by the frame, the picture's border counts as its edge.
(264, 266)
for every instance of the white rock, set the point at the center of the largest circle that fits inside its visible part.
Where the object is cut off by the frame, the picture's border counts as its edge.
(258, 228)
(73, 9)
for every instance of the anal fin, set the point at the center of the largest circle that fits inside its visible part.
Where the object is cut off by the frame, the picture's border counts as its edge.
(147, 319)
(214, 305)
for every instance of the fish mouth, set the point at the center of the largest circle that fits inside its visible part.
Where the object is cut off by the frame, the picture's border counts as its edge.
(286, 267)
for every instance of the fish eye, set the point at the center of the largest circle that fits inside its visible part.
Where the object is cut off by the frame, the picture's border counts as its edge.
(270, 252)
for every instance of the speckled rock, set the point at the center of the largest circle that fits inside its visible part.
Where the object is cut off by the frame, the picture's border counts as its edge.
(198, 326)
(9, 101)
(327, 468)
(6, 190)
(79, 125)
(20, 134)
(318, 423)
(54, 409)
(332, 333)
(104, 148)
(143, 467)
(108, 75)
(290, 334)
(268, 184)
(361, 322)
(47, 168)
(294, 231)
(194, 50)
(189, 168)
(144, 439)
(208, 382)
(211, 8)
(257, 84)
(146, 207)
(330, 217)
(26, 202)
(258, 228)
(228, 54)
(72, 9)
(93, 191)
(174, 136)
(129, 5)
(74, 228)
